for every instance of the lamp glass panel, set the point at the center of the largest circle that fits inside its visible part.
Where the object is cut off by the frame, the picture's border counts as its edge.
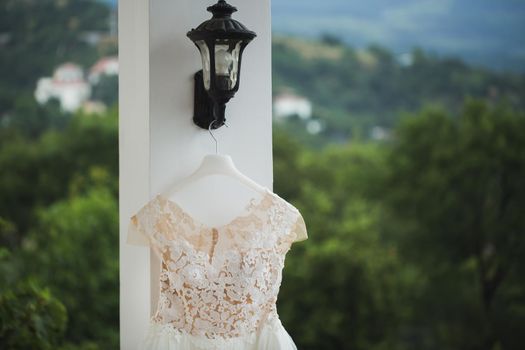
(205, 55)
(226, 63)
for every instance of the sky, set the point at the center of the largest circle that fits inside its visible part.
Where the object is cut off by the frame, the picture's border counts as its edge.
(484, 32)
(487, 32)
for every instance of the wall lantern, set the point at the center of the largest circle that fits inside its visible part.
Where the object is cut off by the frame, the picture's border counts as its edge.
(221, 41)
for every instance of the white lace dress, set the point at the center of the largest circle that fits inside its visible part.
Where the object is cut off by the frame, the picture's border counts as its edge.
(219, 285)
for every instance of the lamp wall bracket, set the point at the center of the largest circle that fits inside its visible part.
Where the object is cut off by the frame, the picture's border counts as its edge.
(205, 110)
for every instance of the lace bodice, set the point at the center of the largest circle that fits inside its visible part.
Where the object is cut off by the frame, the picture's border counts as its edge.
(219, 282)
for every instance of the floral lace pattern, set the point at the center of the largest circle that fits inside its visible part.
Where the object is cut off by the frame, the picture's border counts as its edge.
(219, 282)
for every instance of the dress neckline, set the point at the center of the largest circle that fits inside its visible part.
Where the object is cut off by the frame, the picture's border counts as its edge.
(248, 209)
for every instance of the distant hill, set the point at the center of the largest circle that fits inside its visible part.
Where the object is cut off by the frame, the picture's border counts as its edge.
(486, 32)
(355, 91)
(36, 36)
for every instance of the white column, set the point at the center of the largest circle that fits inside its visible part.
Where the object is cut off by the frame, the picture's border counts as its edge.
(159, 143)
(134, 169)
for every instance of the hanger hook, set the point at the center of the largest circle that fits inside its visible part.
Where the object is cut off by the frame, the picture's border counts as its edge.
(214, 139)
(209, 130)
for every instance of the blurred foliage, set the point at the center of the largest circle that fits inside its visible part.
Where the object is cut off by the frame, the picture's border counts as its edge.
(415, 244)
(64, 232)
(59, 227)
(37, 173)
(31, 119)
(106, 90)
(456, 198)
(344, 288)
(30, 318)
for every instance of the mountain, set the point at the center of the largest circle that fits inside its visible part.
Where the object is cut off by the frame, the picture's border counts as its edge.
(483, 32)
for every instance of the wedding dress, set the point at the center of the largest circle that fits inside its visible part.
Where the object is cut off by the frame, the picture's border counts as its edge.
(219, 285)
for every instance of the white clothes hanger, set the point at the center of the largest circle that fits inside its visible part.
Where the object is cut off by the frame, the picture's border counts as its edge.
(215, 164)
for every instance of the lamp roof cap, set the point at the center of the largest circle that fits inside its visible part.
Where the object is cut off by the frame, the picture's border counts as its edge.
(221, 25)
(222, 9)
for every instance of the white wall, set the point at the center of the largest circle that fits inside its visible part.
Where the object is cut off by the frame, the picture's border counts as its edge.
(159, 144)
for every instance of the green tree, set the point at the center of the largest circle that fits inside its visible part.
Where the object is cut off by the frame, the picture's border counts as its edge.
(30, 316)
(36, 173)
(345, 287)
(79, 238)
(457, 195)
(58, 217)
(106, 90)
(30, 119)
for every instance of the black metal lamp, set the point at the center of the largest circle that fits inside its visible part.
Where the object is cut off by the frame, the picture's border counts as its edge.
(221, 41)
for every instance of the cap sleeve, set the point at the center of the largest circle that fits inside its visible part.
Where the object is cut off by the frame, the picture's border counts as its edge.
(141, 225)
(299, 232)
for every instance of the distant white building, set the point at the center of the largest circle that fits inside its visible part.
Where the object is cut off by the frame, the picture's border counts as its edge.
(314, 126)
(287, 105)
(67, 85)
(94, 107)
(105, 66)
(379, 133)
(406, 59)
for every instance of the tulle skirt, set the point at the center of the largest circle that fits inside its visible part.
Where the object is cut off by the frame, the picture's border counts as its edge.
(272, 336)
